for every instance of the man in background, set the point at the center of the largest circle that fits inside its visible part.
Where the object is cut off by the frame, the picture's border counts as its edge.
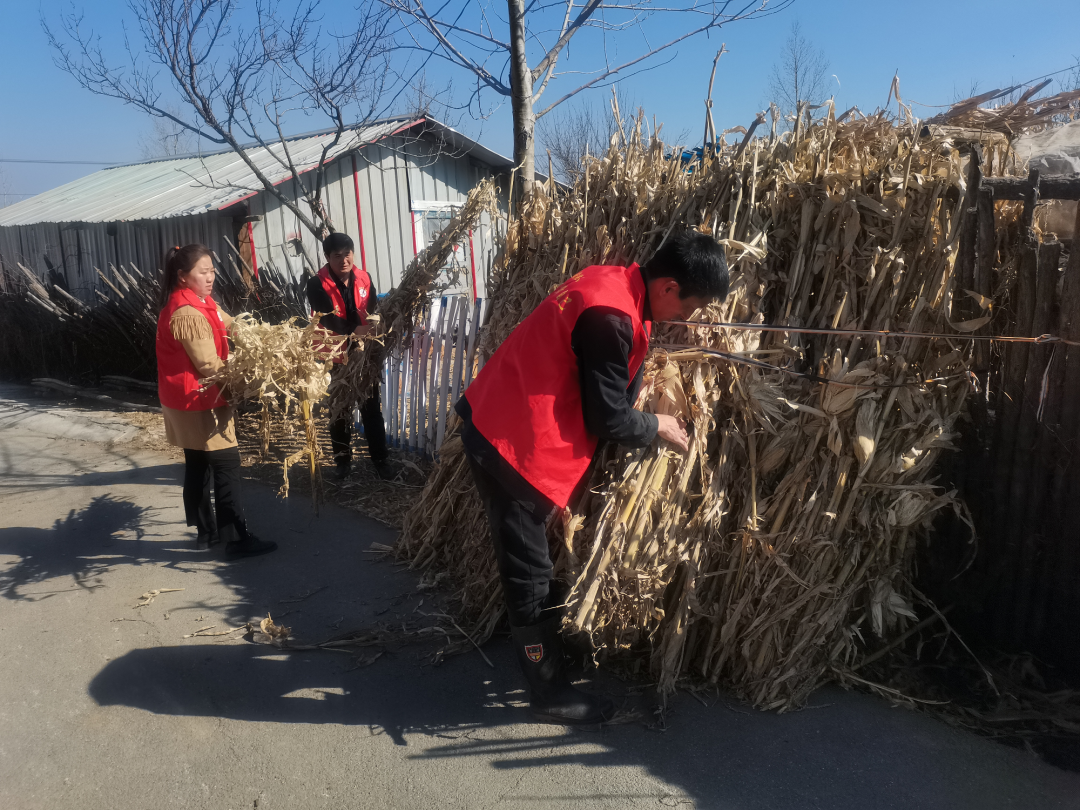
(347, 295)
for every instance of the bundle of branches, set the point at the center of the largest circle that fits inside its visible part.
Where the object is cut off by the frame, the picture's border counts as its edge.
(398, 310)
(779, 549)
(47, 331)
(284, 367)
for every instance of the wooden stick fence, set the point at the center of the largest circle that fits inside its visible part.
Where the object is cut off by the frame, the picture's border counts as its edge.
(421, 384)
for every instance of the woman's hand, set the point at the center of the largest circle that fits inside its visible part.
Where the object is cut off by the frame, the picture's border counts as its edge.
(673, 429)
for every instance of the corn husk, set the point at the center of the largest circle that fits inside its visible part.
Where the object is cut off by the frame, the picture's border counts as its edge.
(780, 548)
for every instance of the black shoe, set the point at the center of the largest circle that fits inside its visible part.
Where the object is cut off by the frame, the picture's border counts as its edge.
(384, 470)
(206, 539)
(344, 470)
(552, 697)
(250, 546)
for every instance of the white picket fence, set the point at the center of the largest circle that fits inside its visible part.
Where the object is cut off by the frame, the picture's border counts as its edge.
(421, 385)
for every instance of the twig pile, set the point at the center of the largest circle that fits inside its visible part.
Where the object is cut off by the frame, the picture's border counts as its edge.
(398, 310)
(776, 552)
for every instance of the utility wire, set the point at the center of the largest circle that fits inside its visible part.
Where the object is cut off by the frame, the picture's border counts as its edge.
(67, 162)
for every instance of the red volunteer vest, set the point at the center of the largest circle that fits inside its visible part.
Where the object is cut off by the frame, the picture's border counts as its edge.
(178, 383)
(526, 401)
(361, 289)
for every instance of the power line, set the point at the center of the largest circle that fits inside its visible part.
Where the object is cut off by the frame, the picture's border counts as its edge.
(68, 162)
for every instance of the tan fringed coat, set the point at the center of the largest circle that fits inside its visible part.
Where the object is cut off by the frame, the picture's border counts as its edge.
(199, 430)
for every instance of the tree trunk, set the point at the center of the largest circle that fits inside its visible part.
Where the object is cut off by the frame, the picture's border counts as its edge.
(522, 96)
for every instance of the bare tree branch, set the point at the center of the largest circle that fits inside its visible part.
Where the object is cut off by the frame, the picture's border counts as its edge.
(233, 81)
(552, 26)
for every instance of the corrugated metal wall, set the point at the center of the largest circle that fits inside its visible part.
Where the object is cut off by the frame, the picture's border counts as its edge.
(78, 250)
(389, 178)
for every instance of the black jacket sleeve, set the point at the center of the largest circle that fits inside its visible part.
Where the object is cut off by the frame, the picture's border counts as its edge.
(319, 301)
(372, 299)
(602, 339)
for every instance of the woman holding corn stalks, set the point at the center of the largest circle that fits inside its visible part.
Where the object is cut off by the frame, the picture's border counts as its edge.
(192, 344)
(567, 377)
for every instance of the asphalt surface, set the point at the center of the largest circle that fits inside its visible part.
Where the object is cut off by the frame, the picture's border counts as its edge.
(107, 705)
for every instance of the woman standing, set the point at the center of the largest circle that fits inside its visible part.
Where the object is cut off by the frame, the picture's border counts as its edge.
(191, 345)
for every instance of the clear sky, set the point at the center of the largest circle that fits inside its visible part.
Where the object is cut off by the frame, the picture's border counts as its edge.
(939, 47)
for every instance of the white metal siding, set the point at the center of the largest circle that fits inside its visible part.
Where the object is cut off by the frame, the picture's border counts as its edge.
(391, 175)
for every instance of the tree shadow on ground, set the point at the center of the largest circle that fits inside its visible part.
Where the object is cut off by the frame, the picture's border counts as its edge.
(84, 546)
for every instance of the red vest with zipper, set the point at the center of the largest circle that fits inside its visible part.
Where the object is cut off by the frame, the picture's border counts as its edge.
(526, 401)
(179, 385)
(361, 290)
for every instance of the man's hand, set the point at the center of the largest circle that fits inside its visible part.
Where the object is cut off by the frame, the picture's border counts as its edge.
(673, 429)
(364, 330)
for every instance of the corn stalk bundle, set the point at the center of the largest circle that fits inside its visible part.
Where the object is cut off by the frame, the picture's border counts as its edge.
(775, 552)
(285, 367)
(397, 312)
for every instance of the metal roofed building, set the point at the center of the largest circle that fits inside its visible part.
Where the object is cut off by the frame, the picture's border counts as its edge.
(391, 184)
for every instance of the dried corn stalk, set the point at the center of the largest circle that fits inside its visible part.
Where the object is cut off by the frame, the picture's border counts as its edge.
(769, 555)
(285, 367)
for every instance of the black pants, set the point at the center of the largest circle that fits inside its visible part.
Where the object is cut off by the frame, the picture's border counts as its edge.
(521, 548)
(222, 468)
(374, 429)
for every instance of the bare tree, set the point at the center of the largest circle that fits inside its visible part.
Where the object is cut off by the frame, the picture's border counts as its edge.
(1072, 79)
(800, 75)
(581, 127)
(426, 98)
(167, 138)
(241, 75)
(6, 195)
(518, 56)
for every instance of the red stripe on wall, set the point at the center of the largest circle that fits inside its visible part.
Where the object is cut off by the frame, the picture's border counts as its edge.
(359, 217)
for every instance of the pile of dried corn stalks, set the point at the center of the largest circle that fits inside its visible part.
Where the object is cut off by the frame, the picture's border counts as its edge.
(779, 549)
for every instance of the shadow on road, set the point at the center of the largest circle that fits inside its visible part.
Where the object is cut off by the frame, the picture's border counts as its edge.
(84, 546)
(854, 751)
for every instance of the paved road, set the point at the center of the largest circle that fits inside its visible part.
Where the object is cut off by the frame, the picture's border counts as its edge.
(104, 705)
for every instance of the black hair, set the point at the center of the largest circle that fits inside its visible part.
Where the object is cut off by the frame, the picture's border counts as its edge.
(179, 260)
(337, 241)
(696, 261)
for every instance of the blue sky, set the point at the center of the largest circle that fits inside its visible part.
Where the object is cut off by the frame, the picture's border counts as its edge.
(939, 48)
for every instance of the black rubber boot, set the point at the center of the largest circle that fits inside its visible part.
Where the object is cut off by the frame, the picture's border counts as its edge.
(552, 697)
(205, 540)
(248, 546)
